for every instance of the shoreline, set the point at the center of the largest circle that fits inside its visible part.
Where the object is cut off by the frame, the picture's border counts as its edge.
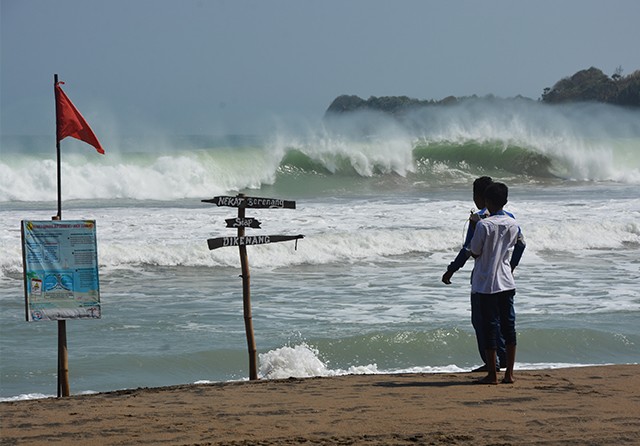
(524, 367)
(600, 404)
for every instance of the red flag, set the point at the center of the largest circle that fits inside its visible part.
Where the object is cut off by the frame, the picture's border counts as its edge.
(69, 121)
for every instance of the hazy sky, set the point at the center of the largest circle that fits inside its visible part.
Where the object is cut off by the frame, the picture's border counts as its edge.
(238, 66)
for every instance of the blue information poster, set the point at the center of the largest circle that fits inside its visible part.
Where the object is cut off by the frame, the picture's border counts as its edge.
(60, 269)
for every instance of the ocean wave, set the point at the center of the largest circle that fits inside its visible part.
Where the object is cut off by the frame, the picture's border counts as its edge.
(335, 171)
(522, 141)
(177, 237)
(334, 248)
(448, 351)
(593, 142)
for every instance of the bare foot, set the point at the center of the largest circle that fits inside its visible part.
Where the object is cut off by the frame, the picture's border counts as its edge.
(508, 379)
(487, 380)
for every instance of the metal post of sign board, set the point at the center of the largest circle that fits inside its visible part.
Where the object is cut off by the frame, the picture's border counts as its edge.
(241, 241)
(63, 360)
(63, 354)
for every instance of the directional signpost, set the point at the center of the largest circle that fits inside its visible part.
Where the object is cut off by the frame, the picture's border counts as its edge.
(243, 223)
(220, 242)
(243, 202)
(240, 201)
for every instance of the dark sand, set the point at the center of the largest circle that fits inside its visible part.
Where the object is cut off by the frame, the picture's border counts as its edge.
(577, 406)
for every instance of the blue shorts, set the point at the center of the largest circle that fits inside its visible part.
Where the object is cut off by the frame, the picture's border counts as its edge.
(498, 314)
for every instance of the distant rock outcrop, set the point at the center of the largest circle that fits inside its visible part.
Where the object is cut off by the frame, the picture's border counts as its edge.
(590, 85)
(389, 104)
(595, 86)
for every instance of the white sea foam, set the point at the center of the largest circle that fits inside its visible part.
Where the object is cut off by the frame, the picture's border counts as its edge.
(303, 361)
(26, 396)
(334, 233)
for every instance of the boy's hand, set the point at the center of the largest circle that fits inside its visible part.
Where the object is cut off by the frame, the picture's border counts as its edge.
(474, 217)
(473, 220)
(446, 277)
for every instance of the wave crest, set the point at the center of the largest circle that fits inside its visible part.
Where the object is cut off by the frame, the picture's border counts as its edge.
(518, 140)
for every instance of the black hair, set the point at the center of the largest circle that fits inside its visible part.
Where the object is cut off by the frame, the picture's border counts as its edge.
(480, 185)
(497, 193)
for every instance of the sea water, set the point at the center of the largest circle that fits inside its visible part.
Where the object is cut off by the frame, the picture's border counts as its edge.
(382, 204)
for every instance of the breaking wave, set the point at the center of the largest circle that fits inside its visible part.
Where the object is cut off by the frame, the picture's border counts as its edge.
(519, 140)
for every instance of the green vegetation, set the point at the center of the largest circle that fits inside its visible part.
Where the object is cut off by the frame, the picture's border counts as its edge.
(595, 86)
(394, 105)
(590, 85)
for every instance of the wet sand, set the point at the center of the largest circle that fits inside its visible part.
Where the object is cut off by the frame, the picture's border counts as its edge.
(577, 406)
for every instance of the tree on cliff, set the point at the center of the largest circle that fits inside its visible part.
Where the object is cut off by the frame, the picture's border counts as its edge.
(388, 104)
(593, 85)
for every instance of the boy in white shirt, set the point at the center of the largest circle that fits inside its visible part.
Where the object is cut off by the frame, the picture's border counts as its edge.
(491, 246)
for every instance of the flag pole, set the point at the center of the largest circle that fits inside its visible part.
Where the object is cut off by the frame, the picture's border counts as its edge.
(63, 356)
(59, 216)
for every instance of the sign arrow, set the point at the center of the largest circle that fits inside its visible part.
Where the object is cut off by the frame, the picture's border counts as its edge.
(247, 222)
(252, 202)
(220, 242)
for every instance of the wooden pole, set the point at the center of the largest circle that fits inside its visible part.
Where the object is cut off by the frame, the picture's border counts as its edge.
(63, 360)
(63, 356)
(246, 300)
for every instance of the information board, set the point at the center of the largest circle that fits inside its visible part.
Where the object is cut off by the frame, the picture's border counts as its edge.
(60, 261)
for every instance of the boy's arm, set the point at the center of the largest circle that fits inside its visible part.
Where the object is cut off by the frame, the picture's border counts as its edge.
(460, 260)
(464, 253)
(454, 266)
(518, 250)
(477, 242)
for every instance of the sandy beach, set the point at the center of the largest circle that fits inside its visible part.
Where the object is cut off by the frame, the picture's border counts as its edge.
(586, 405)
